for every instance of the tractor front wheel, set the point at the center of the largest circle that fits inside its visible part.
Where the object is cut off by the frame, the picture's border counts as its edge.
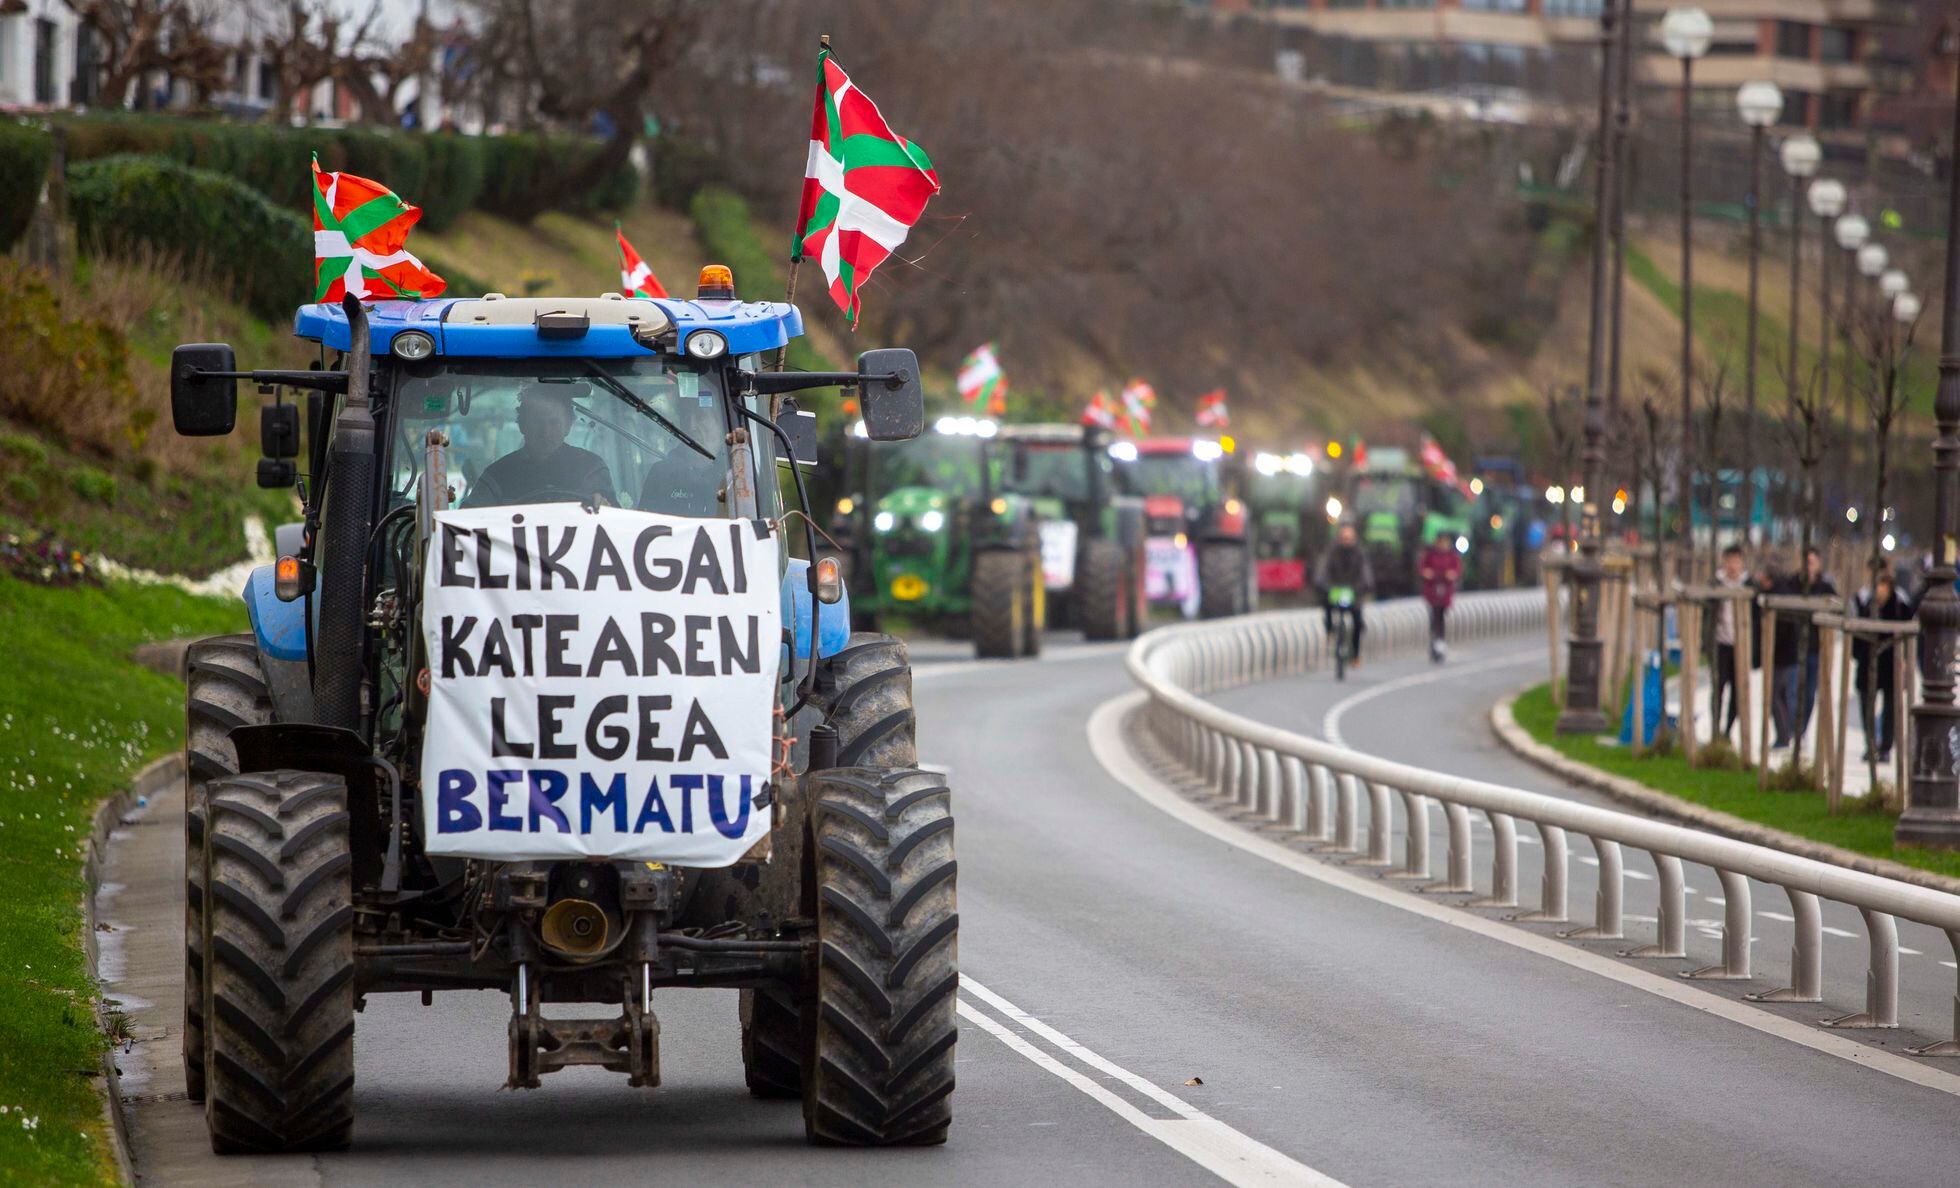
(1000, 605)
(279, 995)
(1100, 590)
(880, 1070)
(1221, 580)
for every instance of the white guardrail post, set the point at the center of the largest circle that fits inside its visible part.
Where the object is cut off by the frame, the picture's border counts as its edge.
(1313, 788)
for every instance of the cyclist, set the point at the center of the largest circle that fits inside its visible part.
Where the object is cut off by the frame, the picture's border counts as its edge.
(1440, 569)
(1345, 566)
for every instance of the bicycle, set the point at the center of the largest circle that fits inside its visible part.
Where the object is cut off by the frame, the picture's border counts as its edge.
(1340, 606)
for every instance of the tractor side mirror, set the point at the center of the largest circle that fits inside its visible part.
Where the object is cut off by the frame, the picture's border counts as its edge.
(893, 401)
(279, 431)
(801, 429)
(203, 389)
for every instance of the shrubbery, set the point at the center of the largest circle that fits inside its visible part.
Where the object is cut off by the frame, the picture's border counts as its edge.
(443, 173)
(68, 375)
(216, 224)
(24, 154)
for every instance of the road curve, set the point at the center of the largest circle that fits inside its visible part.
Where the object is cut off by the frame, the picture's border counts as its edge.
(1145, 1004)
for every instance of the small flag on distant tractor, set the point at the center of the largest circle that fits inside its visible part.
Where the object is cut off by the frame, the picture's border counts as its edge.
(1100, 412)
(1212, 413)
(1437, 463)
(863, 189)
(635, 278)
(1139, 399)
(359, 229)
(981, 379)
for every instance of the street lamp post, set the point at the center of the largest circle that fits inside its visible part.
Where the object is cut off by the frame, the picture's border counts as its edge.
(1851, 232)
(1687, 32)
(1581, 713)
(1800, 155)
(1827, 203)
(1872, 259)
(1760, 103)
(1932, 814)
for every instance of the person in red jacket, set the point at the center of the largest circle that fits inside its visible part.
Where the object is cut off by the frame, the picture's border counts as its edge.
(1440, 569)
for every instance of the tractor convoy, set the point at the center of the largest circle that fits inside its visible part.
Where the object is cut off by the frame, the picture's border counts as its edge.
(555, 692)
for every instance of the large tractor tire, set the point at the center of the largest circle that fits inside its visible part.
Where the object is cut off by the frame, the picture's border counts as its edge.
(279, 994)
(881, 1066)
(225, 688)
(871, 708)
(1221, 580)
(1000, 605)
(1101, 591)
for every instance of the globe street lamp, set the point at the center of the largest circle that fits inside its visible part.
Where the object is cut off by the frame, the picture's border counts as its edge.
(1686, 32)
(1581, 713)
(1800, 155)
(1932, 814)
(1760, 103)
(1892, 283)
(1905, 309)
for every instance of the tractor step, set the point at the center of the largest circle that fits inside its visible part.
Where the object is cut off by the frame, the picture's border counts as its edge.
(628, 1043)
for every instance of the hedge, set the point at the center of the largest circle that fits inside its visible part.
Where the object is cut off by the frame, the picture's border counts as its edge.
(25, 151)
(216, 225)
(444, 173)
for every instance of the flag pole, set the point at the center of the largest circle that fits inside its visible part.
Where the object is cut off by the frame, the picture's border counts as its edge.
(796, 251)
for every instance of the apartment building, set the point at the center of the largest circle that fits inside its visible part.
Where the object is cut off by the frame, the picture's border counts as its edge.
(1822, 53)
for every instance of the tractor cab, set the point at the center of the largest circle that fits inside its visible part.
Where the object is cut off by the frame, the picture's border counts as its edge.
(545, 695)
(1092, 537)
(1288, 526)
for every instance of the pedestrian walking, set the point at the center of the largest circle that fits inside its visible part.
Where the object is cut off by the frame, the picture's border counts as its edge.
(1733, 575)
(1814, 583)
(1876, 662)
(1440, 568)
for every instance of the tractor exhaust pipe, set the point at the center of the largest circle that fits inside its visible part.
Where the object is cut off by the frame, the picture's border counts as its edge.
(340, 650)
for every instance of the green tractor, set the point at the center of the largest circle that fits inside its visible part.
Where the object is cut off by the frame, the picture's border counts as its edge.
(541, 700)
(934, 535)
(1399, 510)
(1093, 557)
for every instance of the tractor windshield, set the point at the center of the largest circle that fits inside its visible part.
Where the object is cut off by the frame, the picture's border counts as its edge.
(944, 462)
(643, 433)
(1391, 494)
(1191, 479)
(1045, 470)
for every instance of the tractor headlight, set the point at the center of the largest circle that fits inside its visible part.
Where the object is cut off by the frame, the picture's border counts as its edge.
(932, 520)
(706, 344)
(1333, 507)
(1462, 544)
(412, 345)
(884, 521)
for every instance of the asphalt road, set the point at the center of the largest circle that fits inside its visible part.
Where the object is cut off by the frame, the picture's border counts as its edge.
(1144, 1002)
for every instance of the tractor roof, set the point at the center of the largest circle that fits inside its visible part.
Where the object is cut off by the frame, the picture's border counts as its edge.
(1166, 445)
(1055, 433)
(496, 326)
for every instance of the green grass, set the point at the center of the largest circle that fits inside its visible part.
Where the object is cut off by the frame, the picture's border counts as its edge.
(77, 717)
(1722, 325)
(1866, 830)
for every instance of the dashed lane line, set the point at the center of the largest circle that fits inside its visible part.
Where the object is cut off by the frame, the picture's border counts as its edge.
(1330, 723)
(1228, 1154)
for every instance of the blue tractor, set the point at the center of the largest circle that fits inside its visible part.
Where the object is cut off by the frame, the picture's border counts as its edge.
(545, 697)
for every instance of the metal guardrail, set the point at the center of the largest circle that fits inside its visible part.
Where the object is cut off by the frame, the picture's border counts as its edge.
(1315, 788)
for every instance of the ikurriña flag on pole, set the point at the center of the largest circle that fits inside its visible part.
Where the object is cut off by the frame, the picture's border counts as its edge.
(863, 188)
(981, 379)
(1139, 400)
(1212, 413)
(635, 278)
(1100, 411)
(360, 229)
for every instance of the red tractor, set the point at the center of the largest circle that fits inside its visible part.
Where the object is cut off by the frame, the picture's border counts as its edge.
(1195, 516)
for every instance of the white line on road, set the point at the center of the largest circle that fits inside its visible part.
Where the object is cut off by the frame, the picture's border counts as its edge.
(1231, 1156)
(1330, 725)
(940, 668)
(1106, 742)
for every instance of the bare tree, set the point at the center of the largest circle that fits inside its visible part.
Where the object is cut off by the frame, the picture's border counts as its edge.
(303, 47)
(139, 37)
(1886, 350)
(1713, 382)
(1806, 424)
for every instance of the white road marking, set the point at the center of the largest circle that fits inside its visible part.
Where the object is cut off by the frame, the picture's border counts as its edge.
(1830, 931)
(1638, 876)
(1231, 1156)
(1095, 651)
(1330, 724)
(1107, 744)
(1778, 916)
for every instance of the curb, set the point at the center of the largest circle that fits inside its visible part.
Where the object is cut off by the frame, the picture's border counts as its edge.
(108, 815)
(1505, 726)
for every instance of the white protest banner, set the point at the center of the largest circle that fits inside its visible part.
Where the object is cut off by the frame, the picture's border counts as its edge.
(602, 684)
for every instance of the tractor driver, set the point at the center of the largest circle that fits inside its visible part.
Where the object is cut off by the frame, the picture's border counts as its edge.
(544, 464)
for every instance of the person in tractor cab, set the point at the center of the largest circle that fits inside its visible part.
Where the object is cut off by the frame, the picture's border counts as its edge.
(1345, 565)
(1440, 569)
(545, 464)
